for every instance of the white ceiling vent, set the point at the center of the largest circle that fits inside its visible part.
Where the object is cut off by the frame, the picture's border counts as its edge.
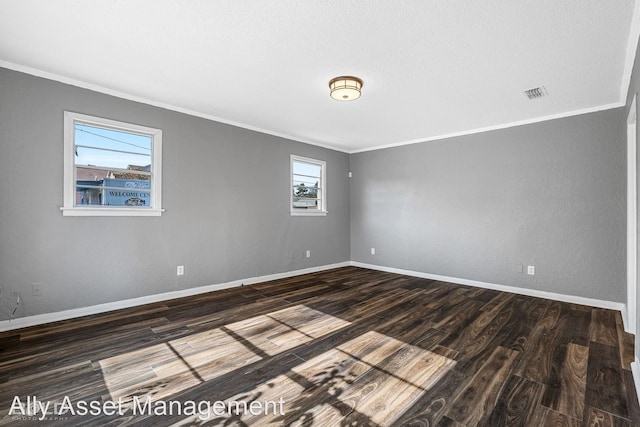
(536, 92)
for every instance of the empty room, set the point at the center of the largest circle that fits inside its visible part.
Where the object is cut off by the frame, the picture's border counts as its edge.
(319, 213)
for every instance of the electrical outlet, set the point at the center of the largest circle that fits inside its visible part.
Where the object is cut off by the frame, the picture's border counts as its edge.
(308, 253)
(180, 270)
(531, 270)
(373, 251)
(36, 289)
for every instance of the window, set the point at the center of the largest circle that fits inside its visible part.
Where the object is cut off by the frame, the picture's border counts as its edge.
(111, 168)
(308, 186)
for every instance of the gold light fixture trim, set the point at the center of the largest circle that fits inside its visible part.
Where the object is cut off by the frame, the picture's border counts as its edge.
(345, 88)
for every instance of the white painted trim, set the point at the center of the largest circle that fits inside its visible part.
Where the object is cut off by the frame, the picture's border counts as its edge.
(40, 319)
(495, 127)
(515, 290)
(632, 221)
(635, 371)
(625, 319)
(82, 211)
(69, 172)
(97, 88)
(118, 94)
(319, 213)
(632, 47)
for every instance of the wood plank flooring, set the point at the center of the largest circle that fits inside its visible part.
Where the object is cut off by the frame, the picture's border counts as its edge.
(344, 347)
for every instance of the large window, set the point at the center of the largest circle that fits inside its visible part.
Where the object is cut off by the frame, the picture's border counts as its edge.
(111, 168)
(308, 186)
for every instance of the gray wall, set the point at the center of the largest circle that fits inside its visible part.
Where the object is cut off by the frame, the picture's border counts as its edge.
(225, 191)
(549, 194)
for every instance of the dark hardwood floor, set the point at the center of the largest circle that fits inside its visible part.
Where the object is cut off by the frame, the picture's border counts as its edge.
(345, 347)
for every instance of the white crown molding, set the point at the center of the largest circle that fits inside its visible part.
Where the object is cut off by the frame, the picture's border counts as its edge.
(632, 48)
(495, 127)
(40, 319)
(101, 89)
(97, 88)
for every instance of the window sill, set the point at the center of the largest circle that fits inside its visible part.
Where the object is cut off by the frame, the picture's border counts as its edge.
(308, 213)
(110, 212)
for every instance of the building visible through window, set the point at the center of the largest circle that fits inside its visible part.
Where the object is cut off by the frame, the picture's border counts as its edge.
(115, 165)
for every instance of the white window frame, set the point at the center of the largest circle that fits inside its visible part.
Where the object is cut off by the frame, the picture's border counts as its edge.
(322, 210)
(69, 208)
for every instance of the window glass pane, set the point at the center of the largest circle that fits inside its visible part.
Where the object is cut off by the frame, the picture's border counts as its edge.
(113, 192)
(306, 185)
(111, 148)
(308, 169)
(113, 168)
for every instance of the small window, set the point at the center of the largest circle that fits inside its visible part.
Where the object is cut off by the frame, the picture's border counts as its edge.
(308, 186)
(111, 168)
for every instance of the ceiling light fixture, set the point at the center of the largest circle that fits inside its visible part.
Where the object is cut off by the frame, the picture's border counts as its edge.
(345, 88)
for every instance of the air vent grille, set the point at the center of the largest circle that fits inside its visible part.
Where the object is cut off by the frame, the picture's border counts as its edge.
(536, 92)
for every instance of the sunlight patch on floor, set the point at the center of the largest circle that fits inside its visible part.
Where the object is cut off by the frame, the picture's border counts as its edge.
(373, 377)
(284, 329)
(162, 370)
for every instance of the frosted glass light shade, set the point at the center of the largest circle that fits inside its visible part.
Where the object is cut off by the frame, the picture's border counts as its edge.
(345, 88)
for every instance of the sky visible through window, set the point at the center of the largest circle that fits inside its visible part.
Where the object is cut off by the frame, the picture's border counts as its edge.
(133, 149)
(306, 173)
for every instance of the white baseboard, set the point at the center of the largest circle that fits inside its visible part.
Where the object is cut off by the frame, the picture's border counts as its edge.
(515, 290)
(40, 319)
(635, 371)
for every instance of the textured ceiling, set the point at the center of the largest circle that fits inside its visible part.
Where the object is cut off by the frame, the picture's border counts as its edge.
(430, 68)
